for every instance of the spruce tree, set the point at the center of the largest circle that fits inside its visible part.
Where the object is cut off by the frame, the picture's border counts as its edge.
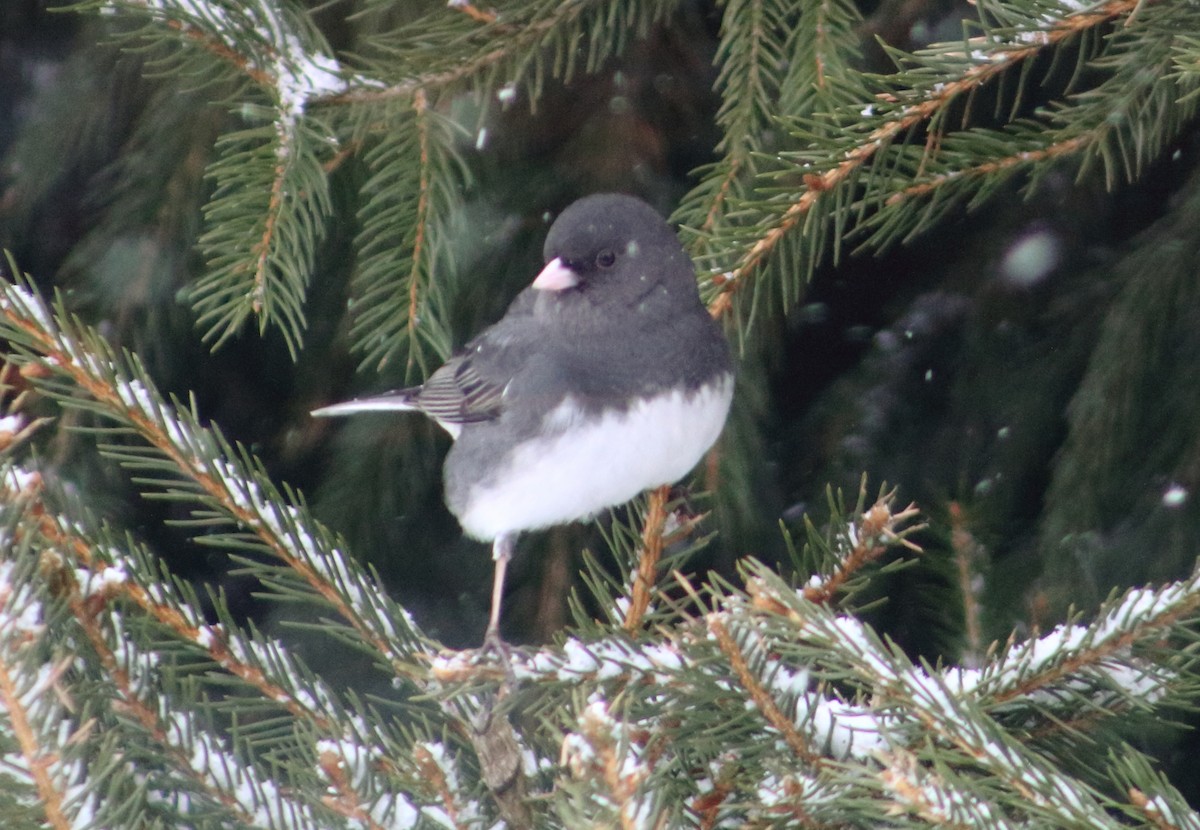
(293, 195)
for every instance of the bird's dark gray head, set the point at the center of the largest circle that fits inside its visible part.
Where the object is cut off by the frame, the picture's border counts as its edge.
(618, 246)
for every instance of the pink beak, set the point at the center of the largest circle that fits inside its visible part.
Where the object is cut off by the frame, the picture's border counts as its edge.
(555, 277)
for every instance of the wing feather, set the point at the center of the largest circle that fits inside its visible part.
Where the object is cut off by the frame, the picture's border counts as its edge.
(458, 394)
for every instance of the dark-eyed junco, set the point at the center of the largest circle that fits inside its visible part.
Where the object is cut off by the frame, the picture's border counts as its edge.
(605, 377)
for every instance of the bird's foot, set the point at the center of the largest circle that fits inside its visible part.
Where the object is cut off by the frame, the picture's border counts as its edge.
(495, 648)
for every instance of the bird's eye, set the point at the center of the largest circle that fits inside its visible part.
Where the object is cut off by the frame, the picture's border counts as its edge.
(606, 258)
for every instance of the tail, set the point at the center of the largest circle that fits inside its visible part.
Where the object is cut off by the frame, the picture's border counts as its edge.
(399, 401)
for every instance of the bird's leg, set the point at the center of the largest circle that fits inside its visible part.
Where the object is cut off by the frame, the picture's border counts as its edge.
(502, 550)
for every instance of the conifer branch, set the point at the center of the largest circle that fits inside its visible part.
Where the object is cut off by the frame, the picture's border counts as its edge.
(1057, 797)
(272, 195)
(43, 742)
(926, 105)
(436, 776)
(747, 98)
(879, 530)
(86, 611)
(1164, 811)
(786, 799)
(107, 587)
(754, 707)
(966, 551)
(401, 236)
(420, 106)
(269, 183)
(716, 207)
(39, 760)
(920, 790)
(114, 584)
(263, 40)
(261, 250)
(213, 35)
(521, 37)
(656, 526)
(758, 694)
(1066, 147)
(1136, 618)
(221, 49)
(342, 798)
(222, 483)
(431, 763)
(514, 42)
(600, 751)
(87, 608)
(1152, 813)
(1151, 796)
(953, 718)
(751, 48)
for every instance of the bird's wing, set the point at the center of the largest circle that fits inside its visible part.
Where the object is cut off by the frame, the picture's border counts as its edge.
(459, 393)
(470, 386)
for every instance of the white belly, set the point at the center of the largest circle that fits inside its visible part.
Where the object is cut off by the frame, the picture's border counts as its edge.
(580, 470)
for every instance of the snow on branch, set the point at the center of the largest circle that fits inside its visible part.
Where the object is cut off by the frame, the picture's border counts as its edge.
(261, 39)
(187, 461)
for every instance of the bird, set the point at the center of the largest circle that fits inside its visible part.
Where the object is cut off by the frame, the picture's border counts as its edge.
(604, 378)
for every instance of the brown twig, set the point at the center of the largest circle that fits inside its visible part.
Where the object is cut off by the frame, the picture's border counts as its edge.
(554, 586)
(36, 757)
(601, 759)
(710, 220)
(420, 106)
(708, 805)
(342, 797)
(915, 789)
(1150, 810)
(433, 774)
(646, 575)
(878, 528)
(1060, 148)
(519, 38)
(261, 250)
(473, 12)
(345, 151)
(222, 50)
(966, 552)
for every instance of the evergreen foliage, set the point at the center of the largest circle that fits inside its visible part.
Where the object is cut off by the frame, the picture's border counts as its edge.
(131, 698)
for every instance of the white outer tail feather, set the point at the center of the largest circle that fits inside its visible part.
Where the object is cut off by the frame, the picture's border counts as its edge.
(383, 403)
